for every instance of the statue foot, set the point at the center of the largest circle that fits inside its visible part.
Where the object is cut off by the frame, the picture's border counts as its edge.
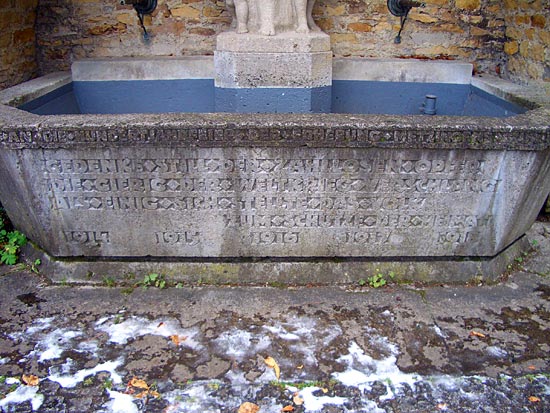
(302, 29)
(242, 29)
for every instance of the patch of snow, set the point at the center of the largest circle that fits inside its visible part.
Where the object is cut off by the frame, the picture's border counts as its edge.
(362, 370)
(282, 333)
(72, 380)
(497, 352)
(306, 336)
(37, 326)
(52, 345)
(120, 403)
(133, 327)
(439, 332)
(236, 378)
(386, 313)
(239, 343)
(12, 380)
(23, 394)
(314, 403)
(102, 320)
(4, 360)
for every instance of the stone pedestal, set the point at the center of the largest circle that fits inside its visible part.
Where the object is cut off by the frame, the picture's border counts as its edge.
(289, 72)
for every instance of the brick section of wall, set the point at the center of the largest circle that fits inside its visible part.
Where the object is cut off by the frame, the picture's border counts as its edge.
(528, 39)
(17, 41)
(499, 36)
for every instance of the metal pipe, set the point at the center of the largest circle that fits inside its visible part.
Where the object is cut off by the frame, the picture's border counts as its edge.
(429, 105)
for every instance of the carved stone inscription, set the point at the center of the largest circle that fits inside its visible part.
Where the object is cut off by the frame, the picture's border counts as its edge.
(274, 202)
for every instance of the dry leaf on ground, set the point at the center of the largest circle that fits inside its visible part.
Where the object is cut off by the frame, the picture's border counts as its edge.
(270, 361)
(477, 334)
(177, 339)
(248, 407)
(30, 379)
(140, 384)
(298, 401)
(288, 408)
(534, 399)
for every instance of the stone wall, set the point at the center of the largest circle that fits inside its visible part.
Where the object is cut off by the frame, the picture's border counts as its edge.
(17, 41)
(528, 39)
(508, 37)
(470, 30)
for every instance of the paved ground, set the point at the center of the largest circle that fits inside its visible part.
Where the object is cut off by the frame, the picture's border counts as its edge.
(203, 349)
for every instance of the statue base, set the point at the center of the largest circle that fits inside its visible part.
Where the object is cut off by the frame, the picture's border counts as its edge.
(289, 72)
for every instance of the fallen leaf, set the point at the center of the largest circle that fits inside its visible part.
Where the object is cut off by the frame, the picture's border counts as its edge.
(160, 324)
(532, 368)
(140, 384)
(476, 334)
(534, 399)
(270, 361)
(288, 408)
(154, 393)
(177, 339)
(248, 407)
(324, 390)
(142, 395)
(30, 379)
(300, 367)
(298, 401)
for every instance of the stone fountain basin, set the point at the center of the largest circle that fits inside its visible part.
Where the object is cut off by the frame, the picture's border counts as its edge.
(254, 198)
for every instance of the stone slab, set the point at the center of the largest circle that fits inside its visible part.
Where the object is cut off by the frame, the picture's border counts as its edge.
(402, 70)
(287, 70)
(35, 88)
(134, 68)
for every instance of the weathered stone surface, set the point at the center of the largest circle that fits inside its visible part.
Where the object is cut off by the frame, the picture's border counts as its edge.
(279, 202)
(214, 186)
(288, 60)
(259, 64)
(211, 187)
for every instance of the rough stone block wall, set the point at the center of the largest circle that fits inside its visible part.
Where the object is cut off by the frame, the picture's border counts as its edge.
(528, 39)
(470, 30)
(17, 41)
(509, 37)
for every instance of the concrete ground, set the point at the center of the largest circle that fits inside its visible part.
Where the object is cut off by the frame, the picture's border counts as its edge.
(399, 348)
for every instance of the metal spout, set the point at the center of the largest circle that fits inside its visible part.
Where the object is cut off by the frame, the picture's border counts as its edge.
(401, 8)
(409, 4)
(429, 105)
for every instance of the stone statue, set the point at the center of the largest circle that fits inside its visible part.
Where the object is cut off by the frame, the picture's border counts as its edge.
(265, 16)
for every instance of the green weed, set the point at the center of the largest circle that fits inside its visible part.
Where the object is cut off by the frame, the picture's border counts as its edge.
(380, 279)
(107, 384)
(10, 242)
(154, 280)
(109, 282)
